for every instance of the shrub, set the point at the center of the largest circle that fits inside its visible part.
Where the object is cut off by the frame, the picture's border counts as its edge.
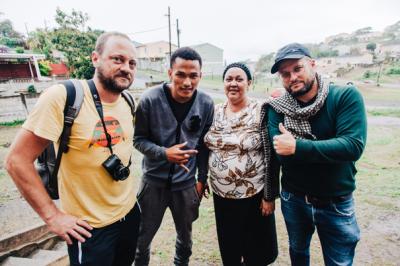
(45, 68)
(19, 50)
(367, 74)
(31, 88)
(394, 71)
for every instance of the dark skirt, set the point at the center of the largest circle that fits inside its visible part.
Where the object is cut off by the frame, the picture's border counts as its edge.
(244, 235)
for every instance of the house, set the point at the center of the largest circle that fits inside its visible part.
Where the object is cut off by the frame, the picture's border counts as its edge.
(212, 57)
(342, 49)
(155, 51)
(14, 65)
(389, 50)
(329, 65)
(154, 56)
(368, 36)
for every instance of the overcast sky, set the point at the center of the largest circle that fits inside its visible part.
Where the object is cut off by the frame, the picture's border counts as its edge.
(244, 29)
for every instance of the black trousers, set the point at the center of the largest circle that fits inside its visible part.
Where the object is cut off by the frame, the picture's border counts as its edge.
(114, 244)
(245, 237)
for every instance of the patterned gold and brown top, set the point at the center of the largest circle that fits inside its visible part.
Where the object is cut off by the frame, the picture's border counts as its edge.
(236, 161)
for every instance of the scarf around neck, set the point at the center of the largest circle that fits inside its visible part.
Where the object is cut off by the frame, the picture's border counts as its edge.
(296, 117)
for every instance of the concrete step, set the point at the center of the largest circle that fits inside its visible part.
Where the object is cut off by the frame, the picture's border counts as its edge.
(41, 258)
(14, 261)
(60, 246)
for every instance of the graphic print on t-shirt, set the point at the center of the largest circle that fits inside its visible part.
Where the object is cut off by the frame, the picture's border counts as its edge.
(113, 128)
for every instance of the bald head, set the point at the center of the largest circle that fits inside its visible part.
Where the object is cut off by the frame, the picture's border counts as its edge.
(103, 38)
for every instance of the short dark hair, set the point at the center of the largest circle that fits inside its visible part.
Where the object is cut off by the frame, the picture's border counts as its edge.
(103, 38)
(186, 53)
(238, 65)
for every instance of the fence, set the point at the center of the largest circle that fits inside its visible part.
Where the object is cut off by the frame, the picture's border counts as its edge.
(17, 106)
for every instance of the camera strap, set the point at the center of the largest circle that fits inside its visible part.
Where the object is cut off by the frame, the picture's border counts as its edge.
(99, 108)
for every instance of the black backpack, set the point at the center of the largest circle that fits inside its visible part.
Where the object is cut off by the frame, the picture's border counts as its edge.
(48, 163)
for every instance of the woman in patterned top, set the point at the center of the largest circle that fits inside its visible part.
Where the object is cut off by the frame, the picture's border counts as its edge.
(245, 220)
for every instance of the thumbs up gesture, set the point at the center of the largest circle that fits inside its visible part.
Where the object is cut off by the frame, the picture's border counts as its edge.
(285, 143)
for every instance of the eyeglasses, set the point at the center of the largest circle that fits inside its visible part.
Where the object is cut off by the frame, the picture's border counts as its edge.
(296, 71)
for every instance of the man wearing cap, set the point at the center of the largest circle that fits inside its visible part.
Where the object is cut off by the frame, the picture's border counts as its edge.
(318, 131)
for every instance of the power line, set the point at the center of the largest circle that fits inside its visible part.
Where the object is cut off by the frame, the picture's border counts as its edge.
(144, 31)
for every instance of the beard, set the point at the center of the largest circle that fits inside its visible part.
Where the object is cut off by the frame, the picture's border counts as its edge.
(307, 87)
(110, 83)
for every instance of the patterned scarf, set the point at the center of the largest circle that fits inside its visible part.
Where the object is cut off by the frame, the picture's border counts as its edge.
(296, 117)
(271, 178)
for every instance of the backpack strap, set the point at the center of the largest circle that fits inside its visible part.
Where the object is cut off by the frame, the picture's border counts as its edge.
(129, 99)
(73, 104)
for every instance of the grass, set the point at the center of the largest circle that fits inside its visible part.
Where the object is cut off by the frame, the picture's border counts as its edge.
(12, 123)
(157, 76)
(377, 207)
(377, 197)
(381, 94)
(392, 112)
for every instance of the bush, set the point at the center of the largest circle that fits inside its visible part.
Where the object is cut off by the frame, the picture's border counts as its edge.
(45, 68)
(31, 88)
(19, 50)
(394, 71)
(370, 74)
(83, 68)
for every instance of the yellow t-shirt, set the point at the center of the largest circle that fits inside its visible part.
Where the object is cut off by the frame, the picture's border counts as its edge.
(85, 187)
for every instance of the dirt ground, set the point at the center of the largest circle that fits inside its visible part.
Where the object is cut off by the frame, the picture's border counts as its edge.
(377, 207)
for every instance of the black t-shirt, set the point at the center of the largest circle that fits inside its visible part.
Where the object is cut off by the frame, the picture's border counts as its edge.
(180, 110)
(305, 104)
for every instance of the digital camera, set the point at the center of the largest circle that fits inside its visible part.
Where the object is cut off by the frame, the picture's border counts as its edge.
(115, 168)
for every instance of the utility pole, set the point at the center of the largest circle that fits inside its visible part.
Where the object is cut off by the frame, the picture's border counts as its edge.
(27, 31)
(379, 74)
(45, 24)
(169, 30)
(178, 32)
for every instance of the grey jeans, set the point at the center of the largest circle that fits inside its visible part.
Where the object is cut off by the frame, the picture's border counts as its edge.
(153, 202)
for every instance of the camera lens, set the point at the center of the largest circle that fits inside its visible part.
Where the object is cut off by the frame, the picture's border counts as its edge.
(122, 172)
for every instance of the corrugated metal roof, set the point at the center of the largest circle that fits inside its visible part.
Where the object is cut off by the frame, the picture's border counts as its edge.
(23, 56)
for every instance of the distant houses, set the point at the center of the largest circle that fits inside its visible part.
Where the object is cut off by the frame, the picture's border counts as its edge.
(352, 49)
(334, 66)
(155, 56)
(212, 56)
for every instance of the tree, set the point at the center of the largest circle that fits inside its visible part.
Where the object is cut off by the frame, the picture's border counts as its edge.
(327, 53)
(371, 47)
(76, 42)
(392, 31)
(75, 20)
(72, 39)
(265, 63)
(40, 41)
(7, 30)
(77, 47)
(8, 36)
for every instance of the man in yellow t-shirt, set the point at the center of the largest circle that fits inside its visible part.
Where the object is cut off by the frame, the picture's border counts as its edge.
(98, 217)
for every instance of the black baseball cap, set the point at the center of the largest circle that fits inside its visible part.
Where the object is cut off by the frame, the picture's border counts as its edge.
(290, 51)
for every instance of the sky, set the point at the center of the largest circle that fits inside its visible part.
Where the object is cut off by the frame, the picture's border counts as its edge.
(243, 29)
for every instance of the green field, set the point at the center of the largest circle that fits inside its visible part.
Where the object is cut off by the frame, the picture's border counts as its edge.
(377, 203)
